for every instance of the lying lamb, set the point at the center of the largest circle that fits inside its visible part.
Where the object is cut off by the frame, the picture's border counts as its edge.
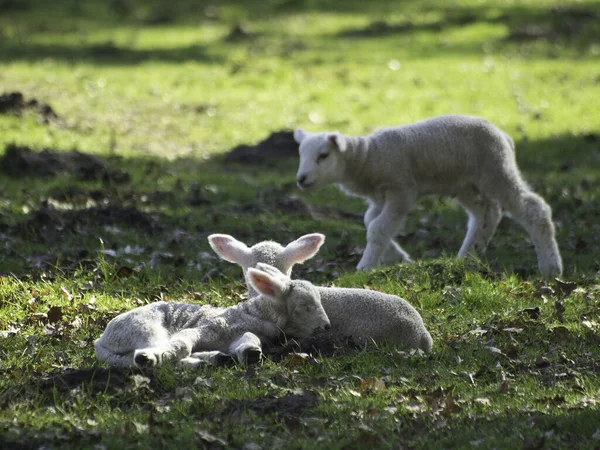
(352, 312)
(169, 331)
(466, 157)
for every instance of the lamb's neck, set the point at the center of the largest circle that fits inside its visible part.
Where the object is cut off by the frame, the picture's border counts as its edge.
(265, 309)
(357, 178)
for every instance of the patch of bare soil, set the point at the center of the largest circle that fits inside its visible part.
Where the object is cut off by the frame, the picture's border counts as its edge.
(22, 161)
(279, 144)
(49, 219)
(15, 103)
(321, 343)
(290, 405)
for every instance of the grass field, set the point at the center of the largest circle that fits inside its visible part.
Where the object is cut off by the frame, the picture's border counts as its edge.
(151, 94)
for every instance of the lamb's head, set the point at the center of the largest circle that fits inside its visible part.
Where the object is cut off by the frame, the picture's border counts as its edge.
(268, 252)
(321, 158)
(302, 301)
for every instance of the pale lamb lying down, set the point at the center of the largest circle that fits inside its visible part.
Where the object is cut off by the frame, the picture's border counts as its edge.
(170, 331)
(352, 312)
(465, 157)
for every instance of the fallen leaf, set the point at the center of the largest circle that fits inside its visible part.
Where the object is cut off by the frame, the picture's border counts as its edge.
(125, 272)
(66, 294)
(141, 428)
(55, 314)
(561, 334)
(484, 401)
(534, 312)
(564, 288)
(370, 385)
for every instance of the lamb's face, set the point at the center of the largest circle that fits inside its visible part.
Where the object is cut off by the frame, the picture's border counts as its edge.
(267, 252)
(320, 159)
(304, 309)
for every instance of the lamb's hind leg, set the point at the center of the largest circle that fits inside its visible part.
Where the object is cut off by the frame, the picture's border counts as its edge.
(383, 227)
(394, 252)
(536, 217)
(179, 346)
(484, 216)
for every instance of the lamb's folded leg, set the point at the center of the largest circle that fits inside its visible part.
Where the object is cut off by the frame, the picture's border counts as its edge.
(246, 348)
(382, 228)
(179, 346)
(213, 358)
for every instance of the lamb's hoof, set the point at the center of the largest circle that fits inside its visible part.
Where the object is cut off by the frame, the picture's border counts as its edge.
(143, 359)
(550, 271)
(252, 356)
(213, 358)
(191, 363)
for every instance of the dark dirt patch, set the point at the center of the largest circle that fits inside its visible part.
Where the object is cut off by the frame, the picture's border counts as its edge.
(48, 219)
(239, 33)
(322, 343)
(22, 161)
(288, 405)
(280, 144)
(15, 103)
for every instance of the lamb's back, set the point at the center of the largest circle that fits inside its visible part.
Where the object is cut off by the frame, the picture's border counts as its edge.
(440, 149)
(383, 317)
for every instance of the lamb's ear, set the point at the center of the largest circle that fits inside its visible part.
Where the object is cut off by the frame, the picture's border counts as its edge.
(338, 140)
(299, 135)
(271, 270)
(266, 284)
(302, 248)
(229, 248)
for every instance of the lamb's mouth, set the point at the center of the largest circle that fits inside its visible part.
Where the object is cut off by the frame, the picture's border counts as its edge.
(305, 185)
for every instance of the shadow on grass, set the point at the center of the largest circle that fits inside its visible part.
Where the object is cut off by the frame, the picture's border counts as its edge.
(573, 28)
(160, 212)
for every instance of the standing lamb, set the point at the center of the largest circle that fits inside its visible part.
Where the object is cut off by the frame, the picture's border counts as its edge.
(170, 331)
(466, 157)
(352, 312)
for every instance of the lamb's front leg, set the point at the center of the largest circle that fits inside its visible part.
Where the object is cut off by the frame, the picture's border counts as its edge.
(180, 346)
(246, 348)
(394, 252)
(382, 228)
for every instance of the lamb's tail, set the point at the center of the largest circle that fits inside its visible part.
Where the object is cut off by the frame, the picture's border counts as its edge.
(111, 358)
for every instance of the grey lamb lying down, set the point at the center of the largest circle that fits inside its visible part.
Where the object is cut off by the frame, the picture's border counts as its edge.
(192, 334)
(352, 312)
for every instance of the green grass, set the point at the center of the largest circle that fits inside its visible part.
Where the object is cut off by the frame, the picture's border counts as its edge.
(158, 90)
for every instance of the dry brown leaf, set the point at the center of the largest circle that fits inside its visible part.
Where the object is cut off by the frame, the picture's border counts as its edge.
(55, 314)
(370, 385)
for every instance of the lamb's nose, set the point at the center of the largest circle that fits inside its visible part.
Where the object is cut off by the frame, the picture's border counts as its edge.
(328, 326)
(301, 179)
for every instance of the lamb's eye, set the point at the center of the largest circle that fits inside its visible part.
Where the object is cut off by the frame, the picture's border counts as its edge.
(321, 157)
